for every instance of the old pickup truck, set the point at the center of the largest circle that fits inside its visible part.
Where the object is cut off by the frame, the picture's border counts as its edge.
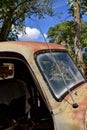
(40, 88)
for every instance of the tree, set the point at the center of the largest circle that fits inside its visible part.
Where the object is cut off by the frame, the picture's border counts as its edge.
(77, 42)
(61, 33)
(64, 33)
(14, 12)
(76, 12)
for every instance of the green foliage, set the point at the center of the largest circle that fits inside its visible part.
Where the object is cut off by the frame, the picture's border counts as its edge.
(83, 6)
(64, 33)
(14, 12)
(84, 33)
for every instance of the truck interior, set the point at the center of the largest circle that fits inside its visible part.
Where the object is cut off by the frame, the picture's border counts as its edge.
(22, 105)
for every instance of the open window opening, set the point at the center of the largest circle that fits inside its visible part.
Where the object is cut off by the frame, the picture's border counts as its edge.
(21, 104)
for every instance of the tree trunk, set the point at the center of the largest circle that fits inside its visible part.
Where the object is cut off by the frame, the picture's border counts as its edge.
(5, 30)
(6, 26)
(77, 44)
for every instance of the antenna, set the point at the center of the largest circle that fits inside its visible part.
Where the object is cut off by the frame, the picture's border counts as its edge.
(74, 105)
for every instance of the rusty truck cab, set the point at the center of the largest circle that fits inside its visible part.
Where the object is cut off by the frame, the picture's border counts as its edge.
(40, 88)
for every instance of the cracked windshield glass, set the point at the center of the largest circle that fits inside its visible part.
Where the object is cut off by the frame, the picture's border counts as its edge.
(59, 71)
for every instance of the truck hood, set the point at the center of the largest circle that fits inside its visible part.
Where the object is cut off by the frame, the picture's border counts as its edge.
(69, 118)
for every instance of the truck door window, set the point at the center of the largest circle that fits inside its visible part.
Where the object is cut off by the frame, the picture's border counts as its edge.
(59, 71)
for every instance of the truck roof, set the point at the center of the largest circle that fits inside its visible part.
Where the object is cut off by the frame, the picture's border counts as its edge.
(26, 49)
(35, 46)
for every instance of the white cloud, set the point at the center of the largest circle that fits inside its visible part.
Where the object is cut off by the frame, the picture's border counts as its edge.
(29, 34)
(45, 35)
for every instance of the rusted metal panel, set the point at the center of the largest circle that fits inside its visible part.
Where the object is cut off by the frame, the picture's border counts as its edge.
(35, 46)
(65, 117)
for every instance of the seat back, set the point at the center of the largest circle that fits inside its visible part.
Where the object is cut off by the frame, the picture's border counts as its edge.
(4, 116)
(17, 108)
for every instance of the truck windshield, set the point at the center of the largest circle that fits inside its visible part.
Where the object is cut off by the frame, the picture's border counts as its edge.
(59, 71)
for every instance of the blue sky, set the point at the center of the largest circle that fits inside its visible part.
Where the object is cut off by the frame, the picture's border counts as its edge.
(35, 26)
